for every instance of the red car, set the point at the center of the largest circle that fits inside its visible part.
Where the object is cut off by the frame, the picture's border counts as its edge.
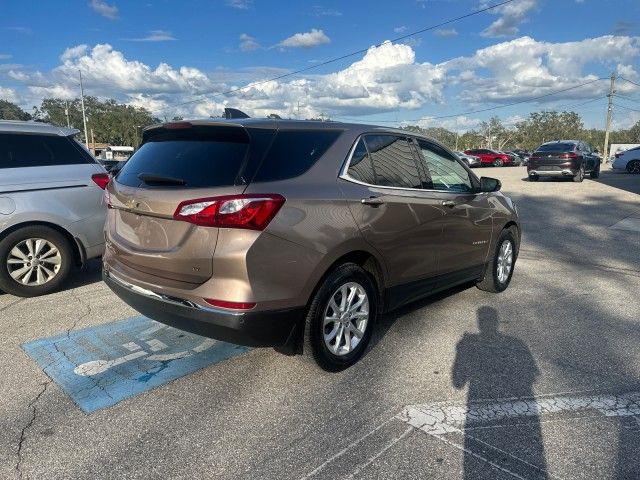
(490, 157)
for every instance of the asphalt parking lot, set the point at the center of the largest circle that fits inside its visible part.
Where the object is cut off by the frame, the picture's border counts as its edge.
(541, 381)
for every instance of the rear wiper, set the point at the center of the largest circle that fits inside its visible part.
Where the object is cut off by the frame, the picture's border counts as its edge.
(155, 178)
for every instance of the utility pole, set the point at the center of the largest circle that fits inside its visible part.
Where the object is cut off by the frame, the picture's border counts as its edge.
(84, 117)
(66, 112)
(605, 150)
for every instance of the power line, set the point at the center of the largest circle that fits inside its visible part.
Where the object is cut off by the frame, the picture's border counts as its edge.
(628, 108)
(629, 81)
(497, 106)
(624, 97)
(336, 59)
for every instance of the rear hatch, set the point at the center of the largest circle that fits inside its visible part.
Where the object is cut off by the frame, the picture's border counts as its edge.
(176, 163)
(553, 155)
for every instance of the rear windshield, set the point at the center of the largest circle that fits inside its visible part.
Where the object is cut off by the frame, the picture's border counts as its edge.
(199, 157)
(28, 150)
(556, 147)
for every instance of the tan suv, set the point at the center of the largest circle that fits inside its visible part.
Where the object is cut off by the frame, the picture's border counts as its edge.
(298, 234)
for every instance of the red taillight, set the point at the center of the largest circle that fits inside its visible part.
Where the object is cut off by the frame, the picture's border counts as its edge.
(568, 155)
(253, 212)
(230, 305)
(101, 179)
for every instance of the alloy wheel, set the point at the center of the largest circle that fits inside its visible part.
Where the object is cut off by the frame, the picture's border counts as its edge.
(505, 261)
(346, 317)
(633, 166)
(34, 262)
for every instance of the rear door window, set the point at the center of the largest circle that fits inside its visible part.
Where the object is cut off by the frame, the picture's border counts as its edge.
(27, 150)
(199, 156)
(360, 167)
(393, 161)
(294, 152)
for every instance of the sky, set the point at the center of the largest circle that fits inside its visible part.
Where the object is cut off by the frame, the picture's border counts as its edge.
(183, 57)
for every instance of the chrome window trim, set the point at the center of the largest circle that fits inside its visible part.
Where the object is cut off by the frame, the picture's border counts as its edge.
(345, 168)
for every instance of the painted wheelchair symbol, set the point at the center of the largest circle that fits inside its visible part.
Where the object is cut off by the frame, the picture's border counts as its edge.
(153, 345)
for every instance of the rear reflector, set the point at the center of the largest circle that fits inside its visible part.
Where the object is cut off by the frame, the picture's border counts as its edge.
(230, 305)
(252, 212)
(101, 179)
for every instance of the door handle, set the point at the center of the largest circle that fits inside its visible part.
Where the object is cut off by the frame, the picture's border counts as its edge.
(372, 201)
(448, 203)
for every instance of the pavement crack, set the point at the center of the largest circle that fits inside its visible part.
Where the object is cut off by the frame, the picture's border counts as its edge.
(23, 433)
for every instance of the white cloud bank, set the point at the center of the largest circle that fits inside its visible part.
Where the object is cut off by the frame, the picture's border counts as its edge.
(387, 78)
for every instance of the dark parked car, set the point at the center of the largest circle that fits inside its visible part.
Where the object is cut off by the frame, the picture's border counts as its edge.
(298, 234)
(490, 157)
(564, 158)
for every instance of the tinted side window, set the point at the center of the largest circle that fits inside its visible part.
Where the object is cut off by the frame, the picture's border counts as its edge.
(360, 167)
(445, 172)
(26, 150)
(294, 152)
(393, 161)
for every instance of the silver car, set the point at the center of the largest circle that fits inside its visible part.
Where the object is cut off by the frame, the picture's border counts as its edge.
(471, 160)
(51, 207)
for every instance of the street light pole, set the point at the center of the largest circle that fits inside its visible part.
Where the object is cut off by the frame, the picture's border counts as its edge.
(84, 117)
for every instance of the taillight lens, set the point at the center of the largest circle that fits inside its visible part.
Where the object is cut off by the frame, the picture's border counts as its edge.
(568, 155)
(230, 305)
(101, 179)
(253, 212)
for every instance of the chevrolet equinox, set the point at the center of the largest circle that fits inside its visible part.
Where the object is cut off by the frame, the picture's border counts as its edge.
(298, 234)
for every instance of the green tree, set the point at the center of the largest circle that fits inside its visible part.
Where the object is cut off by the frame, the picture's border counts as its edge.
(11, 111)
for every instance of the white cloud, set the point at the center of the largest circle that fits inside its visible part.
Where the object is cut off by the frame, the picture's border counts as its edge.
(104, 9)
(5, 56)
(400, 29)
(248, 43)
(155, 36)
(21, 30)
(387, 78)
(305, 40)
(240, 4)
(523, 68)
(8, 94)
(445, 32)
(320, 11)
(511, 16)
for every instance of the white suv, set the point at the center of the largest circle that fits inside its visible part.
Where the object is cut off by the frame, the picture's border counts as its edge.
(628, 160)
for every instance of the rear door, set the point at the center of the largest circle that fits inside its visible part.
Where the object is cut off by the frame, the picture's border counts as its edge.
(467, 222)
(395, 215)
(176, 163)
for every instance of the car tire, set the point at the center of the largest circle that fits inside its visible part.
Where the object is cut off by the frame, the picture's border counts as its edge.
(24, 276)
(496, 277)
(595, 173)
(534, 178)
(579, 176)
(633, 166)
(497, 162)
(326, 341)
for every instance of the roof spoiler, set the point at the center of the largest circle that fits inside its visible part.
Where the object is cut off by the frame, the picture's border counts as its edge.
(234, 113)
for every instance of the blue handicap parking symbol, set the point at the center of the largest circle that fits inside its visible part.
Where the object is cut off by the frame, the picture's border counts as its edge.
(102, 365)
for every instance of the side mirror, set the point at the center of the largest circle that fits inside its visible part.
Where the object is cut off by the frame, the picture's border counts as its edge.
(488, 184)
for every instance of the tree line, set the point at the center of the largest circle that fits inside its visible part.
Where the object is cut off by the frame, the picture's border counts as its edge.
(536, 129)
(117, 124)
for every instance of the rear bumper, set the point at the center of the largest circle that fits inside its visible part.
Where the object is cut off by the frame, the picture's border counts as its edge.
(565, 172)
(276, 328)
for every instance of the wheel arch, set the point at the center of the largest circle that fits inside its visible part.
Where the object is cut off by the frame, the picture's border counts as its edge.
(79, 254)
